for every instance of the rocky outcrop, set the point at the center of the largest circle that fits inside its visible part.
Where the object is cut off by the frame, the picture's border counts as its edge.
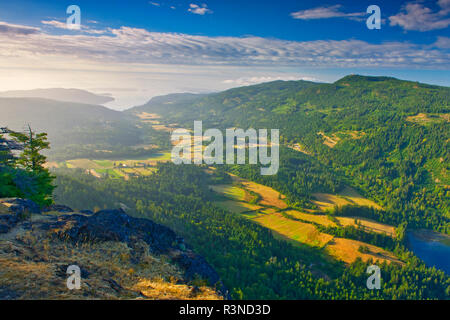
(62, 224)
(116, 225)
(14, 210)
(20, 206)
(57, 208)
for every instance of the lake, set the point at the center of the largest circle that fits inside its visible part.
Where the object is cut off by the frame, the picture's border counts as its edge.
(433, 248)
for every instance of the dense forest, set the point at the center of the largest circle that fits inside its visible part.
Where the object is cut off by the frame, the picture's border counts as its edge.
(81, 130)
(385, 137)
(251, 262)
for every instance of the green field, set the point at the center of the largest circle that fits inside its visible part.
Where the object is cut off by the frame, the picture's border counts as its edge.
(230, 191)
(118, 168)
(299, 228)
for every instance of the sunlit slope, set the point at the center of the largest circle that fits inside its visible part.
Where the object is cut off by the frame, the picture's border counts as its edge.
(388, 137)
(268, 209)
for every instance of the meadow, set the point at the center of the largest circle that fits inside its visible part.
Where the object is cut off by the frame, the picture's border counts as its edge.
(299, 228)
(115, 168)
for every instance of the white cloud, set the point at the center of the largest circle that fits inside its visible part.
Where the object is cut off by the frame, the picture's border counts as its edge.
(63, 25)
(159, 63)
(417, 17)
(13, 29)
(55, 24)
(133, 45)
(197, 9)
(156, 4)
(325, 13)
(442, 43)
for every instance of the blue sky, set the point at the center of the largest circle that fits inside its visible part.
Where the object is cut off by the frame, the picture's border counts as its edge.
(138, 49)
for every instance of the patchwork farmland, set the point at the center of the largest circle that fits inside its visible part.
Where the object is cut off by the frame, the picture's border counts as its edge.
(119, 168)
(300, 228)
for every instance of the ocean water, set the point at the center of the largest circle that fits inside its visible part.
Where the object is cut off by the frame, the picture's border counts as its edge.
(433, 253)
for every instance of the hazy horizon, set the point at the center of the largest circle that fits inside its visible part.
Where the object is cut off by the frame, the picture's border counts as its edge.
(134, 53)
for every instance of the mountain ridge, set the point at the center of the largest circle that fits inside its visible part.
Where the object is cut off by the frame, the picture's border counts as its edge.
(59, 94)
(389, 137)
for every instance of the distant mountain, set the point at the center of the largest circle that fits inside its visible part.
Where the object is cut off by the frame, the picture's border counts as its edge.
(389, 137)
(216, 107)
(68, 95)
(165, 101)
(68, 123)
(288, 101)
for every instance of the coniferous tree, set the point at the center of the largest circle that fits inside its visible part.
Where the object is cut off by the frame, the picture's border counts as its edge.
(7, 146)
(25, 175)
(33, 143)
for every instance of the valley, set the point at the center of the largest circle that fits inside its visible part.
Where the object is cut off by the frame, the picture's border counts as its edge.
(225, 150)
(119, 168)
(268, 209)
(355, 178)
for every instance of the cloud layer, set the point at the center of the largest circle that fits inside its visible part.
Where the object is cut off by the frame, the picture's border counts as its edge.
(135, 64)
(13, 29)
(133, 45)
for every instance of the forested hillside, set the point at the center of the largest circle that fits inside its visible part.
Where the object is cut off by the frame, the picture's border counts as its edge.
(79, 130)
(251, 262)
(386, 137)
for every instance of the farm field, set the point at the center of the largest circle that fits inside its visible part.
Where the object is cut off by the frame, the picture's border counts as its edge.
(300, 148)
(329, 141)
(299, 228)
(348, 251)
(322, 219)
(113, 173)
(290, 229)
(146, 116)
(238, 197)
(237, 206)
(342, 249)
(355, 197)
(326, 201)
(368, 224)
(424, 119)
(315, 218)
(346, 197)
(230, 191)
(269, 196)
(120, 168)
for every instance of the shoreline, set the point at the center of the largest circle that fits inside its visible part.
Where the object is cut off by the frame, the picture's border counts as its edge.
(431, 236)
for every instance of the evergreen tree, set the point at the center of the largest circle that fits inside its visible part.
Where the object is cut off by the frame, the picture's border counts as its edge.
(25, 176)
(33, 144)
(6, 148)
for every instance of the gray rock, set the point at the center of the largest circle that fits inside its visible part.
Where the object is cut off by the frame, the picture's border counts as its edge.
(4, 228)
(58, 208)
(116, 225)
(8, 294)
(20, 206)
